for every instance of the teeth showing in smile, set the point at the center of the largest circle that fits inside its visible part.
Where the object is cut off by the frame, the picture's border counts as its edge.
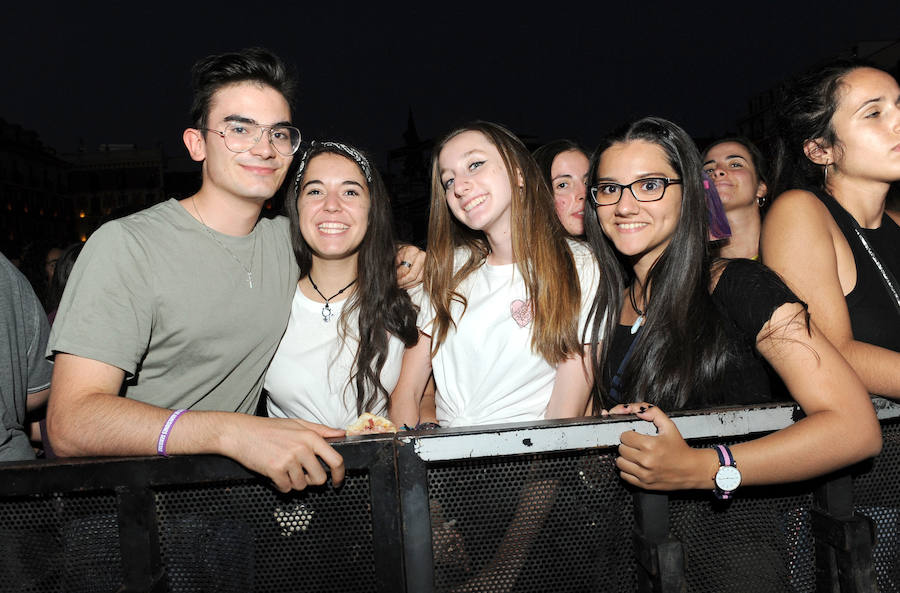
(629, 226)
(474, 203)
(332, 227)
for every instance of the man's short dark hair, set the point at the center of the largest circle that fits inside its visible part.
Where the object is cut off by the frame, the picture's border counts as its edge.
(255, 64)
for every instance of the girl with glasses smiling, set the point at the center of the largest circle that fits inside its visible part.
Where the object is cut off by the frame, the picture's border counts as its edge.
(691, 332)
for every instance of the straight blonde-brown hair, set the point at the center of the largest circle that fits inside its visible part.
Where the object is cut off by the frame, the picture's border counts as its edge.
(539, 248)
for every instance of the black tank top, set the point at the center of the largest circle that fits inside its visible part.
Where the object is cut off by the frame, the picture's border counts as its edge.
(873, 315)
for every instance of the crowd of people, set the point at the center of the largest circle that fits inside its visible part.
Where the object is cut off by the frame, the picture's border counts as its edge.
(558, 284)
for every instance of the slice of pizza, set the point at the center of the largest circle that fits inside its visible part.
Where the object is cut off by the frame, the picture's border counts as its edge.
(369, 423)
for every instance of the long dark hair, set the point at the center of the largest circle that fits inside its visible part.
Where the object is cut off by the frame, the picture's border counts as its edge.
(807, 107)
(383, 307)
(682, 344)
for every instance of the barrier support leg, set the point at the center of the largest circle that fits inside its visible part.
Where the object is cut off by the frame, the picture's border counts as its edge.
(660, 557)
(844, 540)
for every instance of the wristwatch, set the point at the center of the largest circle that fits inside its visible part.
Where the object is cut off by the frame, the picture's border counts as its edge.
(728, 478)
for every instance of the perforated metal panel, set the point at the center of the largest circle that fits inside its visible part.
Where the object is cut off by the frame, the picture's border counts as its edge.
(247, 537)
(876, 492)
(554, 523)
(759, 541)
(60, 543)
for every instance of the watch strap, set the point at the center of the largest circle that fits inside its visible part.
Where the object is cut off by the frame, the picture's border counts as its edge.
(725, 459)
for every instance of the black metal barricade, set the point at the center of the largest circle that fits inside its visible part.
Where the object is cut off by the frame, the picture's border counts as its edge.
(192, 524)
(513, 508)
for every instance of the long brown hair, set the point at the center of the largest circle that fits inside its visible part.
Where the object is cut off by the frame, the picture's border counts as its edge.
(538, 244)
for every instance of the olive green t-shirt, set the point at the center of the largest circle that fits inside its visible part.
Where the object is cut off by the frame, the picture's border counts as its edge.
(162, 297)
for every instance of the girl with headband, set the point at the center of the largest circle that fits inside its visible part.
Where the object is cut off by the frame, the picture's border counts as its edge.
(350, 322)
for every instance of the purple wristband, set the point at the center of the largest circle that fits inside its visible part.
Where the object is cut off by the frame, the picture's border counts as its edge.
(164, 433)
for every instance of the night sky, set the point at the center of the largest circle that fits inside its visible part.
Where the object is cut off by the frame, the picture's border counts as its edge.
(120, 74)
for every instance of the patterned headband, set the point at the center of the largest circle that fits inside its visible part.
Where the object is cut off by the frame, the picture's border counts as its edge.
(345, 150)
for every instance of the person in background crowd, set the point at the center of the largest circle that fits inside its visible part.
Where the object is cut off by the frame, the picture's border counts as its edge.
(350, 323)
(63, 269)
(831, 238)
(38, 264)
(564, 165)
(737, 168)
(24, 373)
(506, 291)
(687, 331)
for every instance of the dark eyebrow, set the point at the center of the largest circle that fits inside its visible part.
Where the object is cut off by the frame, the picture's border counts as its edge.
(866, 103)
(240, 119)
(730, 156)
(562, 176)
(347, 182)
(648, 175)
(247, 120)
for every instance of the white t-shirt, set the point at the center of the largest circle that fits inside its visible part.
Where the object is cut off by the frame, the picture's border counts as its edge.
(486, 371)
(309, 375)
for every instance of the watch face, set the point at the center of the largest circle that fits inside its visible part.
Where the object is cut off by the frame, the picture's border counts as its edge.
(728, 478)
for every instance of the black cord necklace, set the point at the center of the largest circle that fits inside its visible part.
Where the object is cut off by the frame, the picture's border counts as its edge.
(640, 318)
(326, 310)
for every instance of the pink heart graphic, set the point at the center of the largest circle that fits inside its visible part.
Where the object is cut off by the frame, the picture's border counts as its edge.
(521, 311)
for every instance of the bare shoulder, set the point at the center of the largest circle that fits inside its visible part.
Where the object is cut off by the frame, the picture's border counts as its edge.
(796, 206)
(796, 220)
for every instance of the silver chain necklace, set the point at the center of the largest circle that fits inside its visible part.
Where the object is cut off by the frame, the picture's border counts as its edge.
(248, 271)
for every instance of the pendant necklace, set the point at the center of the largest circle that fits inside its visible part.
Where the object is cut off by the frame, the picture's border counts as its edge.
(248, 271)
(640, 319)
(326, 310)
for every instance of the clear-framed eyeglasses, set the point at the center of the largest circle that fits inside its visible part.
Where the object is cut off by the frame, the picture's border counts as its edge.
(242, 136)
(648, 189)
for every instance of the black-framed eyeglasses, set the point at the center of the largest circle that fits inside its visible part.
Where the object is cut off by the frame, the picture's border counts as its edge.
(242, 136)
(648, 189)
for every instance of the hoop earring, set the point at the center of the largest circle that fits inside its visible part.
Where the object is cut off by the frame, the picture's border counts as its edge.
(826, 174)
(761, 200)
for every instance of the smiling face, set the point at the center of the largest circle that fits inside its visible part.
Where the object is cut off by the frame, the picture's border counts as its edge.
(568, 174)
(639, 230)
(731, 167)
(254, 175)
(333, 206)
(867, 125)
(476, 183)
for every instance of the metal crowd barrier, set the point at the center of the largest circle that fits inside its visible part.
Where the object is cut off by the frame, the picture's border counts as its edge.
(512, 508)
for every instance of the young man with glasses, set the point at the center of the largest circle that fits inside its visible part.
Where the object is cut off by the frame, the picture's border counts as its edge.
(180, 307)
